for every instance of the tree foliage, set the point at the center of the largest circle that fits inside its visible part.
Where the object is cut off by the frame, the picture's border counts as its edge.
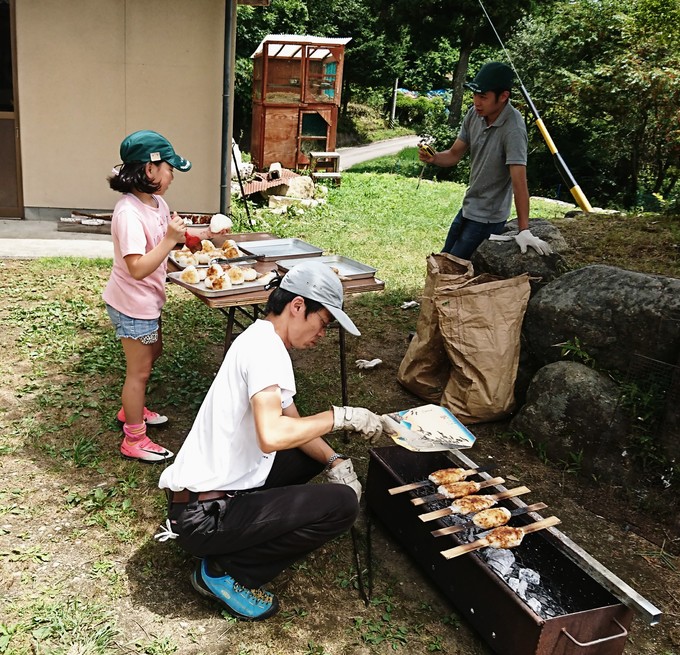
(606, 78)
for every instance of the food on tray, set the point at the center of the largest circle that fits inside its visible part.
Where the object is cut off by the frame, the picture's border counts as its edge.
(186, 258)
(236, 275)
(504, 537)
(229, 249)
(196, 219)
(214, 270)
(458, 489)
(469, 504)
(217, 282)
(206, 252)
(190, 275)
(447, 476)
(249, 273)
(220, 222)
(491, 518)
(266, 278)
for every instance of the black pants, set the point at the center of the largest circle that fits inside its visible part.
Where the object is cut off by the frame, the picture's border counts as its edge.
(256, 535)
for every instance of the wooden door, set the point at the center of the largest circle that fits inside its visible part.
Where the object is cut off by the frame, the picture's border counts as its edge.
(11, 197)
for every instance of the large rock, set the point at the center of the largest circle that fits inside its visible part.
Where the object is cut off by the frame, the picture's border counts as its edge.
(573, 412)
(300, 187)
(607, 314)
(504, 258)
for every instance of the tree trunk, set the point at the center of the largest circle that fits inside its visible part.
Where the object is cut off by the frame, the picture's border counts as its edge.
(456, 107)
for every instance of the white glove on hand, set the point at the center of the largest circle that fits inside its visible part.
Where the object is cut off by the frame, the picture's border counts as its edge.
(344, 473)
(525, 238)
(359, 420)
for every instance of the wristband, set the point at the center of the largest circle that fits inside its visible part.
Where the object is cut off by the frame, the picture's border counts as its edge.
(332, 458)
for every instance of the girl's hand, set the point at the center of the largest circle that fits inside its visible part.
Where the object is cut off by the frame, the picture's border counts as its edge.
(176, 229)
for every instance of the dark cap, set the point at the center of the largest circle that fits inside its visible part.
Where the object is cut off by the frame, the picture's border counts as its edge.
(145, 145)
(493, 76)
(316, 281)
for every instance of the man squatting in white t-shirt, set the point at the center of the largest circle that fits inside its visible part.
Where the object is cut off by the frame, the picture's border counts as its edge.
(237, 489)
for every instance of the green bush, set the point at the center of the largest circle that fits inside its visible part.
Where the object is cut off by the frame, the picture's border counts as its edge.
(419, 111)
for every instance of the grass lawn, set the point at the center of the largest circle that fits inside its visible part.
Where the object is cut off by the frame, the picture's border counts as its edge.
(79, 570)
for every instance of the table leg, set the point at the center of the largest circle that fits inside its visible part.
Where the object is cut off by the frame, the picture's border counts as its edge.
(343, 364)
(230, 330)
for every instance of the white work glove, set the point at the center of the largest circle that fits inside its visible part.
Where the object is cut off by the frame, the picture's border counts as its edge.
(525, 238)
(359, 420)
(364, 363)
(344, 473)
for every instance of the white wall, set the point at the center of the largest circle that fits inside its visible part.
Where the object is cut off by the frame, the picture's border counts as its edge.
(92, 71)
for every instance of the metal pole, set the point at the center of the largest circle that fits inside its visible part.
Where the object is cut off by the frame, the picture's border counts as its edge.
(228, 104)
(562, 168)
(393, 112)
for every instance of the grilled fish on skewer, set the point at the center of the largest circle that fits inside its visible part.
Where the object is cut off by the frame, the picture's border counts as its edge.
(447, 476)
(492, 518)
(503, 537)
(457, 490)
(463, 473)
(470, 504)
(471, 523)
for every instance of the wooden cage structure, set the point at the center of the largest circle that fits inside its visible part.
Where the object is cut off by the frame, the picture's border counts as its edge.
(297, 82)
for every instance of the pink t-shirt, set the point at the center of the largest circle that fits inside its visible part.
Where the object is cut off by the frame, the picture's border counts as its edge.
(137, 228)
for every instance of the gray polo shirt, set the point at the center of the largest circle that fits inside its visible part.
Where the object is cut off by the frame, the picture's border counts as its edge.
(492, 149)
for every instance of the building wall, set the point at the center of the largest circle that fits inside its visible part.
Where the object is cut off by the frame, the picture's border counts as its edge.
(92, 71)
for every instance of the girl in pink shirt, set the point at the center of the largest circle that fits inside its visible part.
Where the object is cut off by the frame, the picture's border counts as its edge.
(143, 234)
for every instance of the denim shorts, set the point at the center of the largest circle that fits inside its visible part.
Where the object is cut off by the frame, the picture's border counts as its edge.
(143, 329)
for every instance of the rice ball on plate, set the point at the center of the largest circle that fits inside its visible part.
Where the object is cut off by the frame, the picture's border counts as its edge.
(190, 275)
(218, 283)
(236, 275)
(249, 273)
(220, 222)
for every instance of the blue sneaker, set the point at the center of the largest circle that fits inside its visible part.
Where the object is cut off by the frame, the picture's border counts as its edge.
(239, 601)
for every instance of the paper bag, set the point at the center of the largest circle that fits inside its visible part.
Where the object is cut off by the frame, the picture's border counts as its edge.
(480, 323)
(424, 370)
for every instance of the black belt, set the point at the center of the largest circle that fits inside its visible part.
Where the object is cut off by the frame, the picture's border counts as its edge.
(186, 496)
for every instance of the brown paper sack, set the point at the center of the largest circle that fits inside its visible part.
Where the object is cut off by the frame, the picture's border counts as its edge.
(480, 324)
(424, 370)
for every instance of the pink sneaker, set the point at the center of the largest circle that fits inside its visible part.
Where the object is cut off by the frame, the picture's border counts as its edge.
(150, 418)
(145, 450)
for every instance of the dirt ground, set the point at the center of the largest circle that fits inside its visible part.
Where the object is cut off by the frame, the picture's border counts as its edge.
(81, 573)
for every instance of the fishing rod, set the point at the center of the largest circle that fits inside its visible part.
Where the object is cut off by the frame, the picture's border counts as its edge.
(561, 165)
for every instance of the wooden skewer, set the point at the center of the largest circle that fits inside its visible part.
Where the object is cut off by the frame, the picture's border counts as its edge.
(422, 500)
(452, 529)
(481, 543)
(423, 483)
(447, 511)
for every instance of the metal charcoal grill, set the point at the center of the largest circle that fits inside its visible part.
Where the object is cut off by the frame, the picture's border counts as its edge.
(595, 607)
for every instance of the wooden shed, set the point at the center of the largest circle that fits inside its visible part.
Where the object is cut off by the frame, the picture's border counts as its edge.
(297, 81)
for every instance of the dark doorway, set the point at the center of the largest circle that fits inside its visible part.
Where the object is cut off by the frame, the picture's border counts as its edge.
(11, 202)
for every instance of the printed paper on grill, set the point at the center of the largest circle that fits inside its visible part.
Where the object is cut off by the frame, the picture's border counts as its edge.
(427, 428)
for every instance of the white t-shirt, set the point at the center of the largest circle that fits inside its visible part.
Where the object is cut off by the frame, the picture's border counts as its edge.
(221, 450)
(136, 229)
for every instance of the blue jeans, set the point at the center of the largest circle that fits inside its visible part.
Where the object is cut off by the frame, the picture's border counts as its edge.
(465, 235)
(128, 327)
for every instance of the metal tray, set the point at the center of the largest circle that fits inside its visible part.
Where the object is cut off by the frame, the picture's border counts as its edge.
(346, 268)
(201, 290)
(273, 249)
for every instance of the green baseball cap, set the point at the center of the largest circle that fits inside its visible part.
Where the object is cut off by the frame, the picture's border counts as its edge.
(493, 76)
(145, 145)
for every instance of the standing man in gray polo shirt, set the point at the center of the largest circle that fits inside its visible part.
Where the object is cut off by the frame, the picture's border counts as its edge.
(496, 136)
